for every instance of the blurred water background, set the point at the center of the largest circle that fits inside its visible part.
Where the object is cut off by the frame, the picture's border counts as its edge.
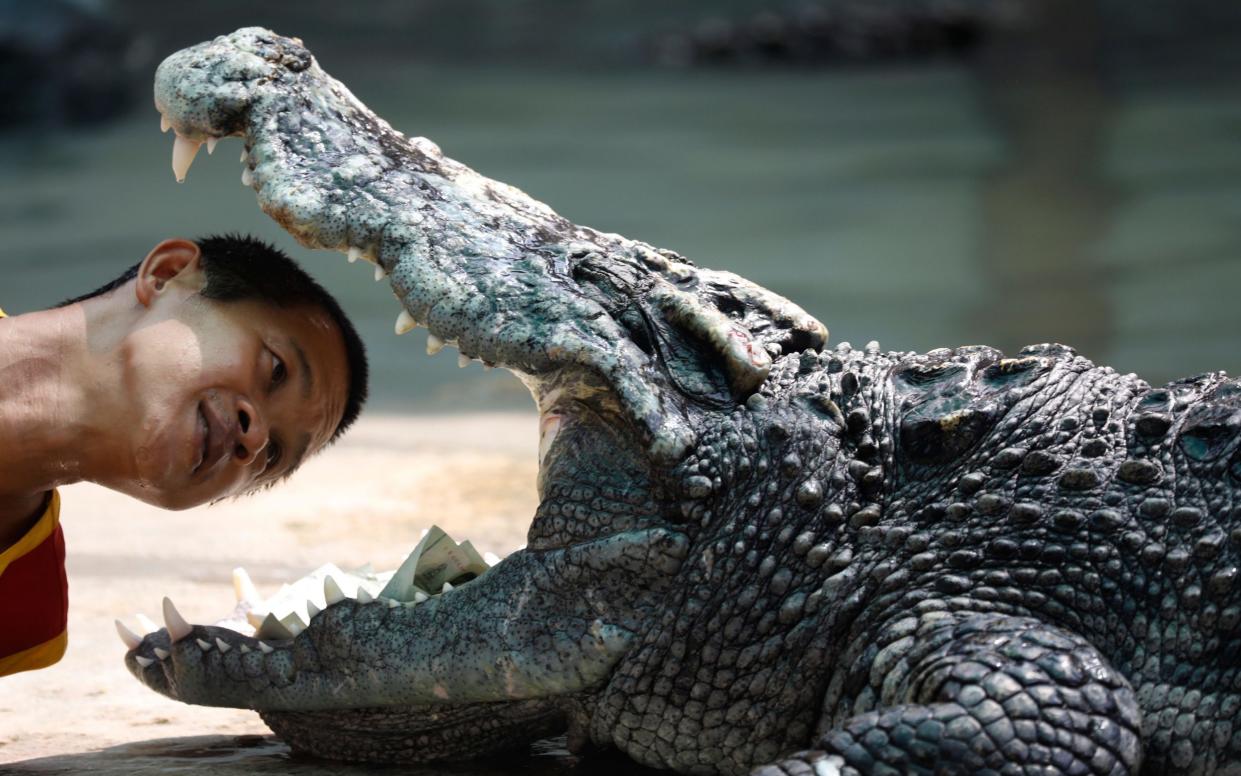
(920, 173)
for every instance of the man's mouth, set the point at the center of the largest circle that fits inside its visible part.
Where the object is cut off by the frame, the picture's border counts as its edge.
(210, 435)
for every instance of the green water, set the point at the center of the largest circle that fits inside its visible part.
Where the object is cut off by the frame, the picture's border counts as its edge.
(921, 207)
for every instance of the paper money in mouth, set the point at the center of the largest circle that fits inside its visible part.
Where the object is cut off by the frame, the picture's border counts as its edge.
(435, 566)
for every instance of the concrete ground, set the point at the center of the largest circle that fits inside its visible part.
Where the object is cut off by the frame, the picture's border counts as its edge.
(366, 499)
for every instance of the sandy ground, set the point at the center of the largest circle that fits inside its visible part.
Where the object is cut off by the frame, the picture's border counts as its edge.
(366, 499)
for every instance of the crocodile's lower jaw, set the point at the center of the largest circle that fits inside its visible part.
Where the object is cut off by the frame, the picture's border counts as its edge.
(417, 734)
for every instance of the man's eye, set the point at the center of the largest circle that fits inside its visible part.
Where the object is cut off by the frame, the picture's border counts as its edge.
(278, 370)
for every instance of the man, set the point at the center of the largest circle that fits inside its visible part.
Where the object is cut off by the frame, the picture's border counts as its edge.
(209, 369)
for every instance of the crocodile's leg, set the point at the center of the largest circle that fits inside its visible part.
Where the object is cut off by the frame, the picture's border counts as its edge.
(983, 693)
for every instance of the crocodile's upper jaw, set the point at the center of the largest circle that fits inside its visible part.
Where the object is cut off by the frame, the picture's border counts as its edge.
(478, 262)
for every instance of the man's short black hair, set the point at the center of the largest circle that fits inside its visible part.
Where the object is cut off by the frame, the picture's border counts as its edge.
(239, 267)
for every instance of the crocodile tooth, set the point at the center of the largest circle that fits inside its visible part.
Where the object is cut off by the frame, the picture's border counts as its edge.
(164, 123)
(420, 596)
(178, 628)
(266, 650)
(162, 654)
(434, 344)
(132, 640)
(354, 253)
(183, 151)
(211, 141)
(311, 610)
(463, 360)
(245, 650)
(223, 645)
(364, 596)
(380, 273)
(247, 177)
(205, 646)
(393, 603)
(332, 593)
(243, 155)
(447, 586)
(404, 322)
(244, 588)
(145, 662)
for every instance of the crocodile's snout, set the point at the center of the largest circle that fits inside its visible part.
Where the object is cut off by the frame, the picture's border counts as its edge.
(204, 92)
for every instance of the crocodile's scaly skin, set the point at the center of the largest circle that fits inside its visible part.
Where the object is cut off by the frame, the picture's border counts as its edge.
(750, 551)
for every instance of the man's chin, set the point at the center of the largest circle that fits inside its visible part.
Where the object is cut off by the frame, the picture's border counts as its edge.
(170, 501)
(174, 496)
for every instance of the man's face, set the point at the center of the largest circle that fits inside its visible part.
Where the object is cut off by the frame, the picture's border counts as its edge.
(226, 396)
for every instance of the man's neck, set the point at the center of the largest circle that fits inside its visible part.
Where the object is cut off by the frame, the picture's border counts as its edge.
(45, 429)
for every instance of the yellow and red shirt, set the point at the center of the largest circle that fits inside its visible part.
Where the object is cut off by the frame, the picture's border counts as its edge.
(34, 595)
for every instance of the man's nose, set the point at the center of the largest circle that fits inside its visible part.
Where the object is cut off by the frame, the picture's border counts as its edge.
(251, 432)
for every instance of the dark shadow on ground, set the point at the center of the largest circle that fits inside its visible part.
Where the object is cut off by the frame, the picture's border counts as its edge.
(245, 755)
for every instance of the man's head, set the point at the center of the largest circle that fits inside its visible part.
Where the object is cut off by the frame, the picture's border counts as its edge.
(234, 366)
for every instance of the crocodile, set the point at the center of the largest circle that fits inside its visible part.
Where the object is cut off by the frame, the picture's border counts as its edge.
(752, 551)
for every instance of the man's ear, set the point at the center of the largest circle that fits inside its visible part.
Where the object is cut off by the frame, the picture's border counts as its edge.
(173, 263)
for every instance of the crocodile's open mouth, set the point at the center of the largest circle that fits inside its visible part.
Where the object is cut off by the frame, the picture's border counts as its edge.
(436, 566)
(622, 346)
(453, 654)
(262, 652)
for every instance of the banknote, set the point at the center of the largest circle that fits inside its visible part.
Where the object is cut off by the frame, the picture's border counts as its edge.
(401, 586)
(450, 562)
(436, 559)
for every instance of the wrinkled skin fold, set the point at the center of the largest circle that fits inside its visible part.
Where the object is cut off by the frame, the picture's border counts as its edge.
(750, 552)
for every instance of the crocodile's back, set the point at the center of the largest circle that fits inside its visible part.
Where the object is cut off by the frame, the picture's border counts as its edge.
(1057, 488)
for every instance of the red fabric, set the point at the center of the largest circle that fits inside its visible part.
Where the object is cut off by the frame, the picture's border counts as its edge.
(34, 597)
